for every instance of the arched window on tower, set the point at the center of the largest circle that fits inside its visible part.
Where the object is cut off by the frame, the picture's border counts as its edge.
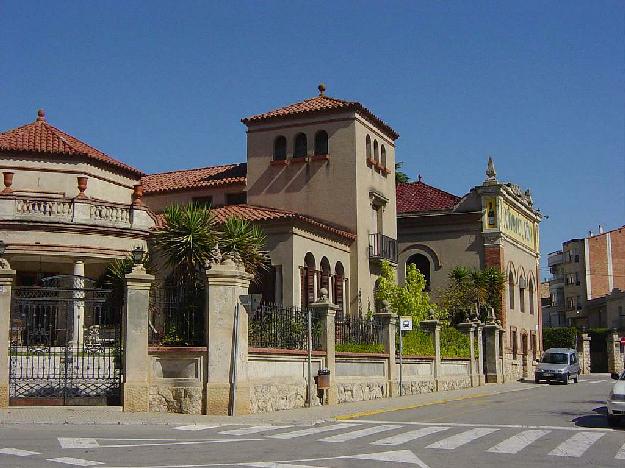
(279, 149)
(383, 156)
(321, 143)
(511, 290)
(376, 154)
(531, 296)
(300, 149)
(368, 147)
(422, 263)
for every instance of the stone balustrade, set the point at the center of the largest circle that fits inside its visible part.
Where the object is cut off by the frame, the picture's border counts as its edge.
(42, 208)
(110, 214)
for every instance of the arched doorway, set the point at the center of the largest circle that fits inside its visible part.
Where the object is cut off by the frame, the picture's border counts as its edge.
(422, 263)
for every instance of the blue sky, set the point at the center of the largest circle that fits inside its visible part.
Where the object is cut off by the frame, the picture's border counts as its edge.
(163, 85)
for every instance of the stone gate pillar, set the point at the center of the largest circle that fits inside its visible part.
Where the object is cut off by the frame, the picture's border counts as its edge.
(434, 328)
(7, 275)
(469, 329)
(327, 312)
(226, 282)
(480, 353)
(584, 358)
(388, 321)
(136, 388)
(615, 357)
(492, 363)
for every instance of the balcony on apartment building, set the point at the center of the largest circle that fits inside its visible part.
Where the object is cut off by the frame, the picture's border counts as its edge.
(556, 281)
(555, 258)
(382, 247)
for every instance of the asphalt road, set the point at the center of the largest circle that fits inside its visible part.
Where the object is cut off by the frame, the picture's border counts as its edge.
(539, 425)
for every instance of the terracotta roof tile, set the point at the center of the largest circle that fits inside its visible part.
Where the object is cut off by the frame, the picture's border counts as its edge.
(418, 196)
(321, 104)
(215, 176)
(41, 137)
(261, 214)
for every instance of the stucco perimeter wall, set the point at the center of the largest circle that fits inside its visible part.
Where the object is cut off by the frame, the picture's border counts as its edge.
(361, 377)
(177, 380)
(418, 375)
(278, 379)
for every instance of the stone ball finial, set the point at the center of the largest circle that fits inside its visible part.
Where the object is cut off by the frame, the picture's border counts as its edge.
(323, 294)
(321, 88)
(41, 115)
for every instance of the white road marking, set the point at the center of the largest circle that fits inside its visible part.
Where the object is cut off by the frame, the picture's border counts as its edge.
(77, 442)
(182, 442)
(518, 442)
(620, 455)
(576, 445)
(500, 426)
(596, 381)
(75, 461)
(311, 431)
(398, 456)
(197, 427)
(360, 433)
(252, 430)
(17, 452)
(463, 438)
(278, 465)
(409, 435)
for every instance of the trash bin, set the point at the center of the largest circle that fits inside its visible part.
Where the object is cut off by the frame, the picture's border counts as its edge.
(323, 378)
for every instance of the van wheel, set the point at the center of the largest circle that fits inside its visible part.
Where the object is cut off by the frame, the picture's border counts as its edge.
(566, 379)
(576, 378)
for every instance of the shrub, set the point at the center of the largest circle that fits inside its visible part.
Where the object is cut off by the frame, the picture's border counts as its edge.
(360, 348)
(454, 343)
(559, 337)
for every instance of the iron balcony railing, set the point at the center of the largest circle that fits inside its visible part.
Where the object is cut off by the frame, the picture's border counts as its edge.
(382, 247)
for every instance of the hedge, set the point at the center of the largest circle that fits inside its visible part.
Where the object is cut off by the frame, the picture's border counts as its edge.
(454, 343)
(559, 337)
(360, 348)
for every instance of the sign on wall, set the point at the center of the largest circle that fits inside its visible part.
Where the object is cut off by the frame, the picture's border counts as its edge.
(405, 323)
(517, 226)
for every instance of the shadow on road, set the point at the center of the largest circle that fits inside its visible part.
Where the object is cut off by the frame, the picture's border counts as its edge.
(597, 420)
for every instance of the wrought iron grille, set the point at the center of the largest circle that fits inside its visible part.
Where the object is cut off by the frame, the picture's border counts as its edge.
(177, 315)
(355, 330)
(65, 343)
(277, 326)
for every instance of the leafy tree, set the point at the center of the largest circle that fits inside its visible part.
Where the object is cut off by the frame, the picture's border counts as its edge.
(239, 235)
(400, 176)
(409, 299)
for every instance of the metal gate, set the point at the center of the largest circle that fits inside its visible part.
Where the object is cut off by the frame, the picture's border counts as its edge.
(65, 344)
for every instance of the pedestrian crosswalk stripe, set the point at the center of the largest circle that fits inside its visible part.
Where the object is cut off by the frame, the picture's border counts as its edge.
(409, 435)
(17, 452)
(458, 440)
(518, 442)
(360, 433)
(252, 430)
(197, 427)
(75, 461)
(620, 455)
(311, 431)
(576, 445)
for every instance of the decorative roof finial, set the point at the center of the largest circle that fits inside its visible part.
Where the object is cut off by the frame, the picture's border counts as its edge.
(420, 178)
(321, 88)
(41, 115)
(491, 175)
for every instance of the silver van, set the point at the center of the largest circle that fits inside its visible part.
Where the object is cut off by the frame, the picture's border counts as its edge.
(558, 365)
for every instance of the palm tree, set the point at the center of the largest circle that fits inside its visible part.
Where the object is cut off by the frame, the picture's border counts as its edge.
(400, 176)
(245, 238)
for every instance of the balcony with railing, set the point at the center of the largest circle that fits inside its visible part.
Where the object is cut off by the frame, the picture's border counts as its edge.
(382, 247)
(555, 258)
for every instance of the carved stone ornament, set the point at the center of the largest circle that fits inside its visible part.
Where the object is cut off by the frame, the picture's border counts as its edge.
(323, 295)
(4, 264)
(214, 257)
(491, 174)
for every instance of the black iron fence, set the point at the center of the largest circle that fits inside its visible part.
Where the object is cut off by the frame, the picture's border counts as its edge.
(277, 326)
(359, 334)
(382, 247)
(177, 315)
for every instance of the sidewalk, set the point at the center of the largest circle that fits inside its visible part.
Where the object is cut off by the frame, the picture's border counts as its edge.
(301, 416)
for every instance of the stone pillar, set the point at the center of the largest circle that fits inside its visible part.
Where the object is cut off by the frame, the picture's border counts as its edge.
(78, 303)
(502, 356)
(136, 389)
(492, 363)
(388, 321)
(434, 327)
(226, 282)
(7, 275)
(480, 354)
(469, 329)
(585, 354)
(615, 357)
(327, 311)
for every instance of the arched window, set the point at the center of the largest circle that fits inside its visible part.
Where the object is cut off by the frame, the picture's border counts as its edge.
(422, 263)
(376, 155)
(321, 143)
(383, 154)
(522, 284)
(511, 290)
(339, 286)
(279, 148)
(368, 146)
(301, 146)
(326, 272)
(531, 296)
(308, 279)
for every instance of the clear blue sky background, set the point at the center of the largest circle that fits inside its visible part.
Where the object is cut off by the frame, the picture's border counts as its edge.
(163, 85)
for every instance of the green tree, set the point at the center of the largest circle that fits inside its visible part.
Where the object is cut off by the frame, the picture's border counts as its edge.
(400, 176)
(408, 299)
(239, 235)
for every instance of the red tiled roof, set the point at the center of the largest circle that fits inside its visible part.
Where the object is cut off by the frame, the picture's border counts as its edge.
(215, 176)
(418, 196)
(260, 213)
(41, 137)
(321, 104)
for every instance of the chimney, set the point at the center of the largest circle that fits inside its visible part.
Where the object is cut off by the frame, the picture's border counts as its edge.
(600, 229)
